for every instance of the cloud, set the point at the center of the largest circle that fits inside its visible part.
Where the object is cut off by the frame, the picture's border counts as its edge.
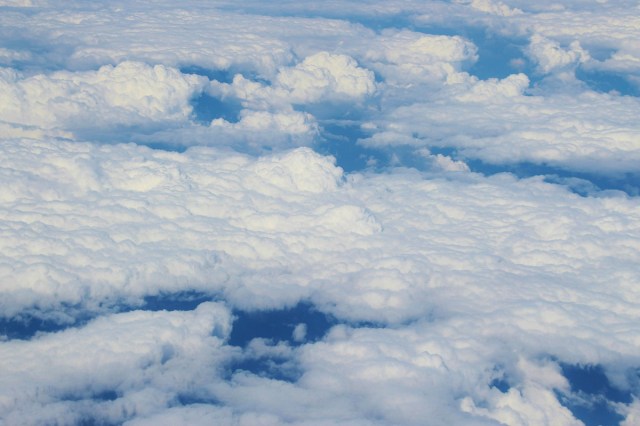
(140, 359)
(410, 55)
(324, 75)
(320, 77)
(550, 56)
(446, 295)
(494, 7)
(497, 122)
(128, 94)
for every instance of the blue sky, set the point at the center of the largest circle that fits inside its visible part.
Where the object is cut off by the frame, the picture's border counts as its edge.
(345, 213)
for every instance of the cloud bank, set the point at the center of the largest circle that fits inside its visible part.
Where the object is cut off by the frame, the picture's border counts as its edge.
(311, 214)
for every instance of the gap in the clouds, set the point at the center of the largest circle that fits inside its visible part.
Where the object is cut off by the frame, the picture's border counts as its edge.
(181, 301)
(607, 82)
(592, 395)
(207, 108)
(581, 183)
(498, 56)
(164, 146)
(290, 327)
(280, 368)
(194, 398)
(340, 139)
(93, 421)
(25, 326)
(280, 324)
(103, 395)
(501, 384)
(592, 380)
(223, 76)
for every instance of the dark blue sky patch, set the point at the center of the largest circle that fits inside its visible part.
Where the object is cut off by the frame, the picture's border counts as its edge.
(591, 411)
(164, 146)
(274, 368)
(341, 141)
(627, 182)
(190, 398)
(26, 325)
(592, 395)
(182, 301)
(207, 108)
(278, 325)
(94, 421)
(592, 380)
(498, 56)
(605, 82)
(102, 395)
(501, 384)
(223, 76)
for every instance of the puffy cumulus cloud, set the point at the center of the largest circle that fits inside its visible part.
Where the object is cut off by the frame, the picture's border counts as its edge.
(208, 222)
(128, 94)
(269, 108)
(496, 121)
(143, 360)
(470, 279)
(320, 77)
(257, 129)
(598, 34)
(325, 75)
(493, 7)
(550, 56)
(212, 36)
(406, 55)
(458, 298)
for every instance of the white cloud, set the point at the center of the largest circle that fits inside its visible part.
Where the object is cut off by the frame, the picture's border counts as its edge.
(494, 7)
(404, 55)
(550, 56)
(495, 121)
(443, 281)
(324, 75)
(128, 94)
(145, 358)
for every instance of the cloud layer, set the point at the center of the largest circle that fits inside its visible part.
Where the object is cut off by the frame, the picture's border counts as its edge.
(168, 170)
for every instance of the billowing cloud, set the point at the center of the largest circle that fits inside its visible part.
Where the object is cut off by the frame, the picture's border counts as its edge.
(326, 75)
(128, 94)
(234, 272)
(549, 55)
(414, 55)
(497, 122)
(136, 362)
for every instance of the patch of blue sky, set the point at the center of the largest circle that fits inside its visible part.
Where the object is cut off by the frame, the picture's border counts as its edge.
(207, 108)
(498, 56)
(592, 395)
(26, 325)
(340, 139)
(591, 398)
(275, 368)
(581, 183)
(221, 75)
(182, 301)
(279, 325)
(608, 82)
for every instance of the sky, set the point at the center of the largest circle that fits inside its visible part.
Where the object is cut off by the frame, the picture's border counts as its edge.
(320, 213)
